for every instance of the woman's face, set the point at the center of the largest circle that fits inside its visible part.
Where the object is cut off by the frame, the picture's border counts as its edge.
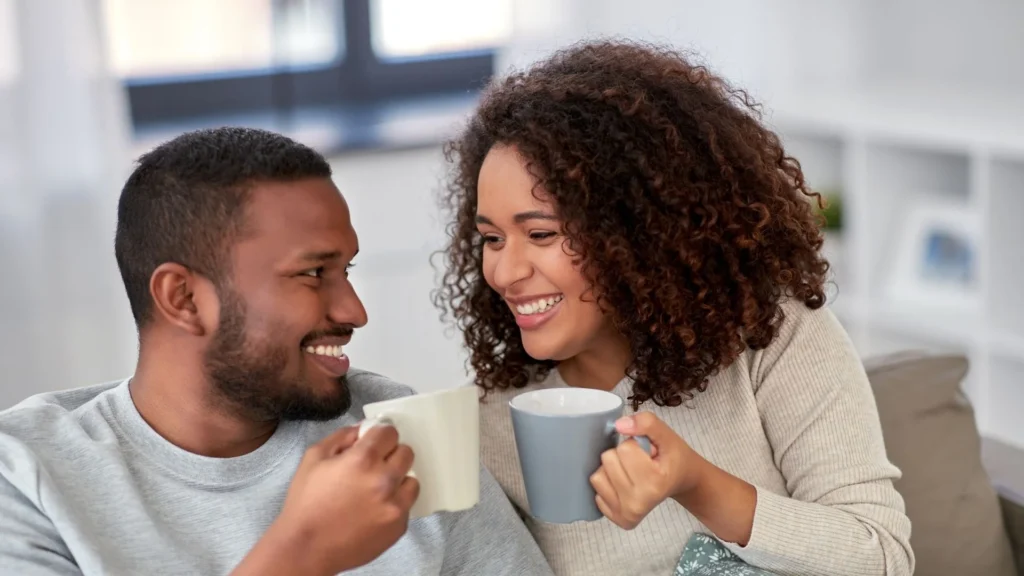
(526, 260)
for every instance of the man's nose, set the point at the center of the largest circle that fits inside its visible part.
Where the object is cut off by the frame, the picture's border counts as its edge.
(513, 265)
(345, 307)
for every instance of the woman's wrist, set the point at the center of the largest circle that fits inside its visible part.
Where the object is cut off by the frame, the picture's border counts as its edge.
(699, 470)
(720, 501)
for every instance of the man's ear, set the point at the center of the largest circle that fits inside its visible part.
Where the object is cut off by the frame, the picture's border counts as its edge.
(183, 299)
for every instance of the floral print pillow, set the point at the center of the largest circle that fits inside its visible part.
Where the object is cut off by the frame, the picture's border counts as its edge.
(705, 556)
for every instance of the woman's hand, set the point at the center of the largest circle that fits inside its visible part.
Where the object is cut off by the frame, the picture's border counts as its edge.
(631, 483)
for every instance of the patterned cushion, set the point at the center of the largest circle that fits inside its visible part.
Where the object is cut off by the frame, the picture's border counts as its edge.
(706, 556)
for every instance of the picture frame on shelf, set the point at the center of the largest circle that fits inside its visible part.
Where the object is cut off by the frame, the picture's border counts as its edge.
(936, 259)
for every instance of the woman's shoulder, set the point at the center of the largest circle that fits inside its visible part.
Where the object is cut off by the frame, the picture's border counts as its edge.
(806, 336)
(801, 324)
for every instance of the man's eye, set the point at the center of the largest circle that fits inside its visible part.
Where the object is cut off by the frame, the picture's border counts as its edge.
(315, 272)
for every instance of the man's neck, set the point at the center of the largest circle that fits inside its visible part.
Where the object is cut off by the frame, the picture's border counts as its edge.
(176, 399)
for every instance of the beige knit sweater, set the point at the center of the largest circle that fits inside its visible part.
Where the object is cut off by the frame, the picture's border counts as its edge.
(798, 421)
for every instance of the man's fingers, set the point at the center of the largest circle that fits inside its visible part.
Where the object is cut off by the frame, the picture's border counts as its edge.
(407, 493)
(338, 441)
(399, 462)
(379, 442)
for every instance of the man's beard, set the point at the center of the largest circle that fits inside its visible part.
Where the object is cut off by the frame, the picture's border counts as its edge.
(250, 376)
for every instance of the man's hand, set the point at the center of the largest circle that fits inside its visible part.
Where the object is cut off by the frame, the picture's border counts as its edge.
(348, 503)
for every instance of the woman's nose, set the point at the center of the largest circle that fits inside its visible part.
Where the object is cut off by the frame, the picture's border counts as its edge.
(513, 266)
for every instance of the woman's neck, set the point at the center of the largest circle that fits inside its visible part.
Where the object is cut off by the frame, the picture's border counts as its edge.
(601, 366)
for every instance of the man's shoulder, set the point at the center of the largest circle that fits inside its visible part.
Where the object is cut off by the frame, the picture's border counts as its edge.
(36, 413)
(367, 387)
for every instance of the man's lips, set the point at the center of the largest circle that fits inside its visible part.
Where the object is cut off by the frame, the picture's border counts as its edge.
(327, 352)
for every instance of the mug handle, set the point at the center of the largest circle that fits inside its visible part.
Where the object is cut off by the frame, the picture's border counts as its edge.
(643, 441)
(381, 420)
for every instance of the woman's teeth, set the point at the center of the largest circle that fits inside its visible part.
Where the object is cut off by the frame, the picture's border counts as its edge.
(538, 306)
(332, 351)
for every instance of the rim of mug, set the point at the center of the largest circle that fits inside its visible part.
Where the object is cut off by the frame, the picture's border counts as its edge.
(611, 410)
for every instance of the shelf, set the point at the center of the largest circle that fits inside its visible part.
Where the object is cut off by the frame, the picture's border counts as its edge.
(896, 171)
(914, 115)
(960, 328)
(1007, 345)
(1006, 398)
(959, 157)
(1006, 232)
(820, 157)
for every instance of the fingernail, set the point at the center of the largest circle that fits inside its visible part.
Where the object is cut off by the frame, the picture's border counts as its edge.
(625, 422)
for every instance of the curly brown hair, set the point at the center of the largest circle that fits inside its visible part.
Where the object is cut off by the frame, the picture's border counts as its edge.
(689, 219)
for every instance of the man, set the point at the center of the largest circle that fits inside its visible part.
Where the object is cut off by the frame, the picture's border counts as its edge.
(232, 450)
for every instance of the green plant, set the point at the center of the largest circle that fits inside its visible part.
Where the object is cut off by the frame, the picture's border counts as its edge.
(833, 210)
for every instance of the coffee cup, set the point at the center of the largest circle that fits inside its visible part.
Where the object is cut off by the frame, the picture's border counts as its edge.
(560, 434)
(443, 430)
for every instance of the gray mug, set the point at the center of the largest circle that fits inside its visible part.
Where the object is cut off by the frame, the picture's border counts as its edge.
(560, 435)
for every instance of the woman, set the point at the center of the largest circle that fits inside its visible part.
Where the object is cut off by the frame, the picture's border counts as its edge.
(622, 221)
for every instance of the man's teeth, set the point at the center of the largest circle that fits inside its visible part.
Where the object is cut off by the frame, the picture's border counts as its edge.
(333, 351)
(538, 306)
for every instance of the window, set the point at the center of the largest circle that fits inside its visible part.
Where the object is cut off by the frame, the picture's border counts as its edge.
(416, 28)
(186, 59)
(166, 38)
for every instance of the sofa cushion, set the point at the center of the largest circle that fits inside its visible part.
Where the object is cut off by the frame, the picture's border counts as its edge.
(931, 435)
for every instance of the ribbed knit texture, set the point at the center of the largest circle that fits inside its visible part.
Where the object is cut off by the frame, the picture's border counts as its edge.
(798, 421)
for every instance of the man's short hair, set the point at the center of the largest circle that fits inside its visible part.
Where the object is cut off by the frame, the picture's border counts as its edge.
(185, 202)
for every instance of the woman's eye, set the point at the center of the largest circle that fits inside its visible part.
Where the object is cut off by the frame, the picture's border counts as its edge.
(491, 239)
(542, 235)
(349, 267)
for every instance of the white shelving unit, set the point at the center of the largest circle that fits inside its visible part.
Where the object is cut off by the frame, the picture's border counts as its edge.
(889, 152)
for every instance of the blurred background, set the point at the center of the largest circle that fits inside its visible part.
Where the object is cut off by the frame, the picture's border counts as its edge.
(907, 114)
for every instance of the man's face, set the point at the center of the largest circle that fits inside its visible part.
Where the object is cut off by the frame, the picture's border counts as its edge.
(287, 307)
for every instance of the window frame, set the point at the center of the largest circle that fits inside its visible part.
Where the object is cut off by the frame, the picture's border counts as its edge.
(358, 77)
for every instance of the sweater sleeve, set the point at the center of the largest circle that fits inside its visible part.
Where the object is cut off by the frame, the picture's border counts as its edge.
(844, 516)
(29, 543)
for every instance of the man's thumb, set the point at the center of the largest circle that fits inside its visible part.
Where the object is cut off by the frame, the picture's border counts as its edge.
(339, 441)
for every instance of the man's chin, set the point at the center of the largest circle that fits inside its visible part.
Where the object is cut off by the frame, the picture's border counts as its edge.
(317, 407)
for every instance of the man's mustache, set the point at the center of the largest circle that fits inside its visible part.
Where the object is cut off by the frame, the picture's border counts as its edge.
(336, 332)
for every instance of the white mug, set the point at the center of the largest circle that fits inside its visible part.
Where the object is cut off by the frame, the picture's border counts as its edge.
(443, 430)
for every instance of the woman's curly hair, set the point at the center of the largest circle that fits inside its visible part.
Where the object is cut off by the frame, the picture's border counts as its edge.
(686, 215)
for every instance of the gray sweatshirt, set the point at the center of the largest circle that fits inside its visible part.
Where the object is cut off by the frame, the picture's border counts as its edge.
(88, 488)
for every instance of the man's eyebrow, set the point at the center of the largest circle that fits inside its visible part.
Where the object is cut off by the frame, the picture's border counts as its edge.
(320, 256)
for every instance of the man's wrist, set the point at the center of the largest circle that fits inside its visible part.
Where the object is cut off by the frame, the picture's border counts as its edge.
(285, 549)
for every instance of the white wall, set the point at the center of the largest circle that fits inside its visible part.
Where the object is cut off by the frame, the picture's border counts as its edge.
(787, 46)
(64, 135)
(392, 197)
(970, 45)
(762, 46)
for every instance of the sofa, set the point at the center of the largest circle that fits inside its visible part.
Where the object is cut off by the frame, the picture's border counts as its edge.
(964, 493)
